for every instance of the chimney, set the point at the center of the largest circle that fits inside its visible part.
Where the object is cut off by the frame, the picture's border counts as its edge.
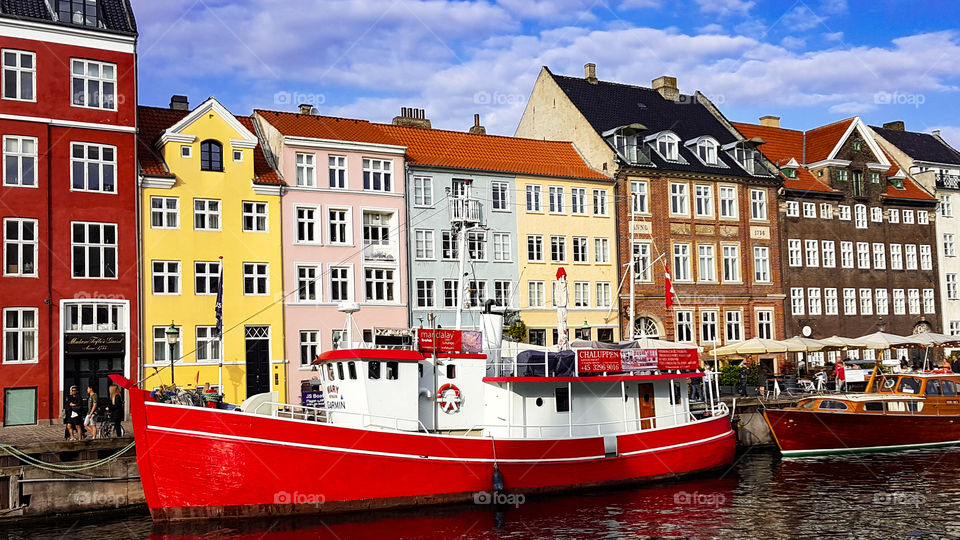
(477, 129)
(590, 73)
(306, 108)
(179, 103)
(896, 125)
(411, 117)
(770, 121)
(667, 87)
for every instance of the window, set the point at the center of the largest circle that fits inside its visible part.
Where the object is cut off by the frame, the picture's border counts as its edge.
(581, 294)
(926, 258)
(580, 249)
(731, 263)
(683, 330)
(894, 216)
(19, 247)
(164, 212)
(206, 277)
(706, 263)
(813, 301)
(955, 328)
(90, 317)
(908, 217)
(866, 302)
(765, 324)
(166, 277)
(641, 262)
(255, 216)
(703, 197)
(208, 344)
(910, 254)
(681, 262)
(378, 284)
(337, 168)
(308, 226)
(578, 200)
(793, 209)
(928, 302)
(238, 155)
(896, 257)
(94, 250)
(796, 300)
(535, 294)
(850, 301)
(746, 157)
(667, 146)
(826, 211)
(537, 336)
(94, 84)
(794, 253)
(339, 283)
(923, 217)
(255, 279)
(558, 248)
(860, 212)
(843, 212)
(534, 199)
(556, 200)
(425, 293)
(876, 214)
(307, 171)
(338, 221)
(951, 280)
(728, 201)
(20, 161)
(535, 248)
(600, 202)
(309, 347)
(842, 175)
(946, 205)
(19, 335)
(376, 229)
(899, 302)
(19, 75)
(449, 248)
(206, 214)
(913, 298)
(830, 306)
(308, 283)
(812, 249)
(603, 294)
(501, 195)
(562, 399)
(863, 255)
(809, 210)
(93, 168)
(679, 204)
(211, 156)
(883, 307)
(879, 256)
(829, 253)
(601, 251)
(501, 292)
(874, 177)
(846, 254)
(424, 244)
(708, 326)
(377, 174)
(422, 191)
(459, 187)
(638, 193)
(761, 264)
(758, 204)
(476, 293)
(19, 406)
(948, 245)
(734, 325)
(477, 246)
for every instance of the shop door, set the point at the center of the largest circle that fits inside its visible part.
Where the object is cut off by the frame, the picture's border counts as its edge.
(82, 370)
(647, 410)
(258, 359)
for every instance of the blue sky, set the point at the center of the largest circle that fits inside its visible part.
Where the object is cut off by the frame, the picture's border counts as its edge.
(810, 62)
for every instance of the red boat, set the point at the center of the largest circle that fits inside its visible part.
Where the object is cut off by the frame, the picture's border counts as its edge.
(907, 410)
(384, 438)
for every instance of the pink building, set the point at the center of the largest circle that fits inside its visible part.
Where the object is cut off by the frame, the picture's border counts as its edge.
(343, 232)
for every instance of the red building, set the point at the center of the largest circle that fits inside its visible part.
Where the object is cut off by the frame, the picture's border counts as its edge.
(68, 201)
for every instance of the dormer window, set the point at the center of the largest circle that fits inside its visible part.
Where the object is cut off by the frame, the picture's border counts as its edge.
(789, 173)
(626, 145)
(707, 151)
(667, 146)
(79, 12)
(746, 157)
(211, 156)
(789, 169)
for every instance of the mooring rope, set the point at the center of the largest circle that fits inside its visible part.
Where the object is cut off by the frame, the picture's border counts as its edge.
(59, 467)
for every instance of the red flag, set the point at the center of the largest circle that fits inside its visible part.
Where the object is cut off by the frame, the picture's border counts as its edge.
(561, 273)
(668, 285)
(198, 377)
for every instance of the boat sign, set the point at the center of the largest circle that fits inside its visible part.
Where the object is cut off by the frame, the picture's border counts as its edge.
(598, 360)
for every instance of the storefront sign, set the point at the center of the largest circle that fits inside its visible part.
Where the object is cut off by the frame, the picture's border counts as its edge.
(598, 361)
(104, 344)
(612, 361)
(677, 359)
(312, 399)
(440, 340)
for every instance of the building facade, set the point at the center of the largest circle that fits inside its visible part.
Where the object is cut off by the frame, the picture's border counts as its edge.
(210, 200)
(858, 233)
(68, 122)
(935, 165)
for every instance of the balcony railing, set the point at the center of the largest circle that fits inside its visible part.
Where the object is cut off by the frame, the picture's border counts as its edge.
(948, 181)
(466, 210)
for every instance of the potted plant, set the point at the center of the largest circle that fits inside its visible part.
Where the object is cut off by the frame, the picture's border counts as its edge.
(729, 377)
(754, 378)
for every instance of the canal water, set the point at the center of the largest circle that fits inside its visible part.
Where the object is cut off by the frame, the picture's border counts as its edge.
(895, 495)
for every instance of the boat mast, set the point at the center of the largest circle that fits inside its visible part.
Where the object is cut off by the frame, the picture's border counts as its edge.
(633, 265)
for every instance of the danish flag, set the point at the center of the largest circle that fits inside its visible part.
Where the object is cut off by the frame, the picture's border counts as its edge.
(668, 285)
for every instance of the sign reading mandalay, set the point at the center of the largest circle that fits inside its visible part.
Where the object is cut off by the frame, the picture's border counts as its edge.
(440, 340)
(613, 360)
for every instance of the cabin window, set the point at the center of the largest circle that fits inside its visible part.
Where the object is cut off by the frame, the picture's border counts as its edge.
(340, 371)
(393, 370)
(562, 396)
(676, 397)
(352, 369)
(909, 385)
(832, 405)
(330, 372)
(451, 371)
(873, 406)
(888, 384)
(947, 388)
(808, 404)
(933, 388)
(539, 402)
(373, 370)
(904, 406)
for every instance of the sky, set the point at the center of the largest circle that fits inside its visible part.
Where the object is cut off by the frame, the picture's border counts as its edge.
(810, 62)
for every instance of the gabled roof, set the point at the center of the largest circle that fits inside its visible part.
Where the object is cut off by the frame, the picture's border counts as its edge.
(911, 190)
(780, 146)
(920, 146)
(326, 127)
(116, 15)
(607, 105)
(822, 140)
(461, 150)
(263, 173)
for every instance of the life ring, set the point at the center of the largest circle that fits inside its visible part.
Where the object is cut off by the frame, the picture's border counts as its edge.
(449, 398)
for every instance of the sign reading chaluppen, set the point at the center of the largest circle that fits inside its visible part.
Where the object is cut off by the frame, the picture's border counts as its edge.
(613, 360)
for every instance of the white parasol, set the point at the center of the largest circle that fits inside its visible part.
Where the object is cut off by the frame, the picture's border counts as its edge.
(560, 302)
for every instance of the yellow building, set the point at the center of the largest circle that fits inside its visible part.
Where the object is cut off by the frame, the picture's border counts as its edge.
(569, 223)
(208, 192)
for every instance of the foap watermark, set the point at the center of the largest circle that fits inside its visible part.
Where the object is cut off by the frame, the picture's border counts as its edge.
(484, 97)
(499, 498)
(695, 498)
(899, 98)
(100, 500)
(300, 98)
(898, 498)
(696, 99)
(285, 497)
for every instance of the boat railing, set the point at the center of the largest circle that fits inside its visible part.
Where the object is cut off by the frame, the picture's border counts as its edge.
(325, 416)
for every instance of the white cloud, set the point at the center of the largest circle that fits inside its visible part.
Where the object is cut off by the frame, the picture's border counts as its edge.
(640, 4)
(951, 134)
(726, 7)
(851, 108)
(800, 18)
(833, 36)
(791, 42)
(712, 28)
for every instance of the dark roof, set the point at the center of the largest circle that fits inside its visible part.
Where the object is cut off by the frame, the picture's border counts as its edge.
(920, 146)
(608, 105)
(117, 15)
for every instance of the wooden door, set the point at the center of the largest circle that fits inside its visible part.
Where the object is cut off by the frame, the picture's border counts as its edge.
(647, 409)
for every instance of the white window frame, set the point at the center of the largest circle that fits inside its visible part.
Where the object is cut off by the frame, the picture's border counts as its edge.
(730, 262)
(423, 191)
(169, 269)
(378, 175)
(535, 294)
(309, 347)
(896, 256)
(765, 323)
(683, 329)
(22, 246)
(863, 255)
(866, 302)
(681, 262)
(849, 301)
(107, 168)
(257, 271)
(558, 248)
(306, 169)
(207, 215)
(879, 256)
(846, 254)
(21, 333)
(337, 275)
(309, 278)
(893, 216)
(209, 274)
(793, 209)
(381, 275)
(876, 214)
(794, 252)
(926, 257)
(830, 301)
(812, 253)
(100, 80)
(600, 206)
(733, 325)
(535, 247)
(814, 302)
(21, 72)
(797, 301)
(534, 197)
(828, 252)
(581, 294)
(337, 172)
(580, 250)
(640, 196)
(255, 211)
(424, 245)
(679, 199)
(306, 225)
(209, 346)
(165, 212)
(810, 210)
(604, 294)
(87, 246)
(910, 256)
(346, 224)
(913, 301)
(727, 196)
(883, 302)
(899, 302)
(21, 156)
(907, 217)
(601, 251)
(703, 200)
(929, 302)
(761, 264)
(426, 293)
(556, 200)
(706, 263)
(578, 201)
(500, 196)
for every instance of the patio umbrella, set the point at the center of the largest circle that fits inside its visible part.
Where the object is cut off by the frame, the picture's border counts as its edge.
(809, 345)
(757, 346)
(843, 343)
(882, 340)
(933, 339)
(642, 343)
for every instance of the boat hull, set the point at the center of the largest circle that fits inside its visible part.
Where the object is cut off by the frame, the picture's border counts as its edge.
(198, 463)
(807, 433)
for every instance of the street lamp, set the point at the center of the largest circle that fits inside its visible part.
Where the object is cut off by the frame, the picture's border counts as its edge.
(173, 337)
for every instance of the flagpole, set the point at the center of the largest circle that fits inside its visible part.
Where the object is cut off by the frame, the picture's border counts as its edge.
(219, 311)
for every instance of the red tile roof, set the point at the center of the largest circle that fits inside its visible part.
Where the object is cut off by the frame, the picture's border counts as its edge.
(326, 127)
(263, 173)
(780, 146)
(151, 121)
(822, 140)
(911, 190)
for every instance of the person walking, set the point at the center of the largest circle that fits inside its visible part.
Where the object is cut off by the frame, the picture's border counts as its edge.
(72, 413)
(840, 375)
(116, 410)
(90, 421)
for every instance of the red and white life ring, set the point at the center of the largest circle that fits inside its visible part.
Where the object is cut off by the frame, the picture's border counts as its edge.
(449, 398)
